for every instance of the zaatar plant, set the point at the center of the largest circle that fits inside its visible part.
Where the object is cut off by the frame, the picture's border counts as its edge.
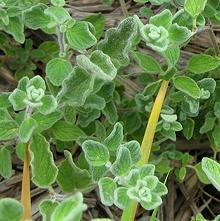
(76, 105)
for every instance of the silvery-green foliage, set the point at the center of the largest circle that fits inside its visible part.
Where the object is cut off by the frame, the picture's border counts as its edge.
(31, 93)
(160, 33)
(118, 178)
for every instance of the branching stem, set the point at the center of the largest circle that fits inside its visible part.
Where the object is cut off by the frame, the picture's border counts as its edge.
(129, 213)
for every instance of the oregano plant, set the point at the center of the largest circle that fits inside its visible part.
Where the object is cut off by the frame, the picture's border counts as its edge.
(114, 115)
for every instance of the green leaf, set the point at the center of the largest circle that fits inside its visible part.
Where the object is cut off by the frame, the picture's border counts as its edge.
(45, 122)
(212, 170)
(80, 36)
(170, 118)
(179, 34)
(121, 199)
(200, 174)
(58, 15)
(76, 87)
(96, 153)
(17, 98)
(4, 101)
(16, 29)
(217, 109)
(37, 81)
(66, 132)
(208, 125)
(163, 19)
(5, 163)
(202, 63)
(135, 150)
(188, 128)
(188, 86)
(49, 105)
(98, 21)
(110, 112)
(57, 70)
(99, 64)
(94, 102)
(8, 130)
(47, 207)
(4, 115)
(215, 135)
(195, 7)
(69, 113)
(147, 62)
(107, 187)
(115, 138)
(97, 172)
(26, 129)
(10, 210)
(70, 177)
(59, 3)
(70, 209)
(208, 84)
(172, 55)
(118, 41)
(34, 18)
(123, 162)
(44, 173)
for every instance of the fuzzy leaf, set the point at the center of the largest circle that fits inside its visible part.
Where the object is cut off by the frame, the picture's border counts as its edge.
(57, 70)
(66, 132)
(188, 86)
(208, 125)
(4, 101)
(70, 209)
(17, 99)
(121, 198)
(179, 34)
(118, 41)
(110, 112)
(201, 174)
(147, 170)
(26, 129)
(163, 19)
(49, 105)
(16, 29)
(95, 102)
(99, 64)
(195, 7)
(98, 21)
(148, 63)
(8, 130)
(69, 114)
(45, 172)
(172, 55)
(202, 63)
(46, 121)
(115, 138)
(34, 18)
(123, 162)
(58, 15)
(97, 172)
(80, 36)
(47, 207)
(188, 128)
(5, 163)
(70, 177)
(96, 153)
(77, 87)
(135, 150)
(107, 187)
(212, 170)
(37, 81)
(10, 210)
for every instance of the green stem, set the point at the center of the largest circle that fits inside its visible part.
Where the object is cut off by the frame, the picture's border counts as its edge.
(129, 213)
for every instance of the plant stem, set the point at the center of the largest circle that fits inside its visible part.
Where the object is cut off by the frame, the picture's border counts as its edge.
(26, 193)
(129, 213)
(61, 41)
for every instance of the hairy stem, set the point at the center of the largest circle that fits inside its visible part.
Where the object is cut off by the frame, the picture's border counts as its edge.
(26, 193)
(129, 213)
(61, 41)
